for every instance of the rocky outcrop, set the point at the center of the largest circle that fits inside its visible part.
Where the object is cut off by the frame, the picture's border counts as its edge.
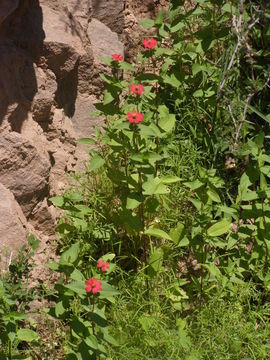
(50, 62)
(23, 170)
(13, 224)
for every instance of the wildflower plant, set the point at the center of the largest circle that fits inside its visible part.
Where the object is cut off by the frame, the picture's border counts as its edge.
(81, 304)
(134, 140)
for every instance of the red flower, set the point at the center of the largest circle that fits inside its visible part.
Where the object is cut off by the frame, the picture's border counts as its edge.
(135, 117)
(93, 285)
(136, 89)
(149, 43)
(117, 57)
(103, 265)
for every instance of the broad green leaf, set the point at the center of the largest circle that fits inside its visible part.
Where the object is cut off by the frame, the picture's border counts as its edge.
(111, 340)
(134, 200)
(98, 317)
(108, 97)
(70, 255)
(59, 309)
(249, 195)
(77, 286)
(172, 80)
(198, 93)
(177, 233)
(158, 233)
(213, 195)
(91, 341)
(58, 201)
(126, 66)
(219, 228)
(155, 261)
(167, 123)
(27, 335)
(155, 187)
(86, 141)
(108, 291)
(147, 23)
(160, 17)
(77, 275)
(169, 179)
(96, 162)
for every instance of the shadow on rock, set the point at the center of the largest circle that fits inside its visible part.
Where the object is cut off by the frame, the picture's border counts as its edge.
(21, 41)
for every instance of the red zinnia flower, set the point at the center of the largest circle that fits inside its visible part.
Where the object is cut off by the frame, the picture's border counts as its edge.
(135, 117)
(103, 265)
(149, 43)
(93, 285)
(117, 57)
(136, 89)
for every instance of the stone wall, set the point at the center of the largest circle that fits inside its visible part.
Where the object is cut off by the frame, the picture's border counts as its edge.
(49, 80)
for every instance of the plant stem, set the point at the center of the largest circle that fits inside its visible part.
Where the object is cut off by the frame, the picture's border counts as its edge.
(264, 239)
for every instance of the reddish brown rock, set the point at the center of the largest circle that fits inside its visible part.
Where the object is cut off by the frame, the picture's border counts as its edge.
(23, 170)
(13, 224)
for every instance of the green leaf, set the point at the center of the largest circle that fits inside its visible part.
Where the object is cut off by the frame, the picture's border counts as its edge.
(167, 123)
(155, 261)
(177, 233)
(27, 335)
(108, 291)
(169, 179)
(213, 195)
(77, 275)
(127, 66)
(98, 317)
(91, 341)
(155, 187)
(96, 162)
(86, 141)
(158, 233)
(59, 309)
(160, 17)
(147, 23)
(58, 201)
(77, 286)
(219, 228)
(108, 98)
(33, 242)
(134, 200)
(70, 255)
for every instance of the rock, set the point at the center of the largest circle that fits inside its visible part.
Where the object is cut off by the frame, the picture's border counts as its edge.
(13, 224)
(82, 120)
(44, 99)
(110, 12)
(23, 170)
(104, 41)
(57, 29)
(43, 218)
(17, 76)
(6, 8)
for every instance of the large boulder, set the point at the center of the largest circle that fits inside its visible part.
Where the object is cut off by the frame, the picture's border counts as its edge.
(110, 12)
(6, 8)
(104, 41)
(23, 170)
(83, 121)
(13, 224)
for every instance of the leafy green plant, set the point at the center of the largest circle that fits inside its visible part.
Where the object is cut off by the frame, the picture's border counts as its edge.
(15, 296)
(81, 303)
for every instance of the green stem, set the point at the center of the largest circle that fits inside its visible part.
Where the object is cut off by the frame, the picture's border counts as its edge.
(264, 239)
